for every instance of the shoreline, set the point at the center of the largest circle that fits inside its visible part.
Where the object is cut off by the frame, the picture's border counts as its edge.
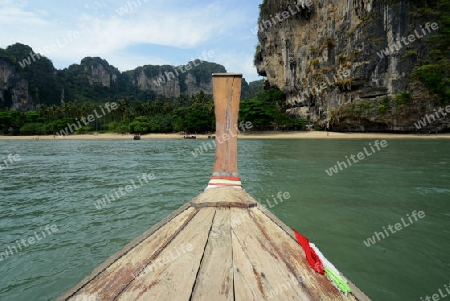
(251, 135)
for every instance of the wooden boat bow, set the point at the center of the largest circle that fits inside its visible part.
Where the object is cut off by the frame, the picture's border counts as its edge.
(222, 245)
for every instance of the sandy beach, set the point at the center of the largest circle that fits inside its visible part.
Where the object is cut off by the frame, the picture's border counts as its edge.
(250, 135)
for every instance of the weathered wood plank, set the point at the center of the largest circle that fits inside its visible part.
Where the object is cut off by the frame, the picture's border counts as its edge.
(292, 255)
(246, 285)
(274, 280)
(171, 275)
(123, 252)
(276, 220)
(224, 197)
(215, 278)
(119, 274)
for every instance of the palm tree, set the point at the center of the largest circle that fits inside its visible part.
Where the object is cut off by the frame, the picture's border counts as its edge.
(43, 112)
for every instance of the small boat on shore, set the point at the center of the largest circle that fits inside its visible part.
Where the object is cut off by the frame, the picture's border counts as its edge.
(221, 246)
(189, 137)
(137, 137)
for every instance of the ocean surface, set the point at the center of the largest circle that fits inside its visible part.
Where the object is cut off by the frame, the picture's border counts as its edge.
(50, 196)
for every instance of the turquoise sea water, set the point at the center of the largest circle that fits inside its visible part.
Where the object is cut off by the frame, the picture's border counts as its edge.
(57, 183)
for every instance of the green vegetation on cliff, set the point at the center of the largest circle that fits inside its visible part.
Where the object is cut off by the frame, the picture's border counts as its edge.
(434, 73)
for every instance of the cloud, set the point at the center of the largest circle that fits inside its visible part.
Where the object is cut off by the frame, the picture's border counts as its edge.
(125, 61)
(19, 24)
(239, 62)
(184, 25)
(14, 13)
(182, 29)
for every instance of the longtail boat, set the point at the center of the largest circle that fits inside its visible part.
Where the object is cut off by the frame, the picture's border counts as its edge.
(222, 245)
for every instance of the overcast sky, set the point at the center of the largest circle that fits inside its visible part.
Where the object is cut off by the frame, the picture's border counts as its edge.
(133, 33)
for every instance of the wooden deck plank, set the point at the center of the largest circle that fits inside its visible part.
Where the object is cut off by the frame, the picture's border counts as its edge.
(276, 220)
(274, 280)
(172, 274)
(114, 279)
(293, 256)
(215, 279)
(246, 287)
(224, 197)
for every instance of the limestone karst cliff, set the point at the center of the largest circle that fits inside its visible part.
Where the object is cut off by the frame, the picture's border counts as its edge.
(28, 79)
(13, 88)
(359, 65)
(172, 81)
(24, 84)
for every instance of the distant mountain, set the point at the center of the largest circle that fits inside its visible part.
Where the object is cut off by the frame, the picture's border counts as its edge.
(28, 79)
(24, 87)
(251, 89)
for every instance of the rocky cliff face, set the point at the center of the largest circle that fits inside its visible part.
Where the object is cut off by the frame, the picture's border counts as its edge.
(13, 88)
(28, 80)
(347, 65)
(172, 81)
(195, 85)
(97, 72)
(159, 84)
